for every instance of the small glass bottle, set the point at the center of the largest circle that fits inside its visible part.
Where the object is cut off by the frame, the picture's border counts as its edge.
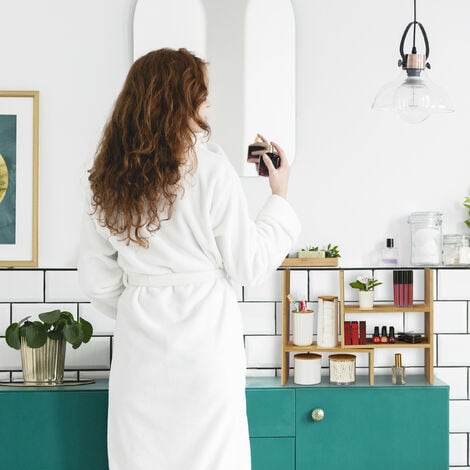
(398, 371)
(384, 336)
(376, 337)
(389, 253)
(391, 334)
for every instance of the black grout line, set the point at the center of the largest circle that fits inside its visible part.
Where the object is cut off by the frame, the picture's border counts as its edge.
(44, 286)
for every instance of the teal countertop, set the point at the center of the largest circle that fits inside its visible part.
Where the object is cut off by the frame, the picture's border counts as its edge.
(251, 383)
(361, 381)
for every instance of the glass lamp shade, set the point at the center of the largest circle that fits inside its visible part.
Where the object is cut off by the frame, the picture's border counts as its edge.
(414, 98)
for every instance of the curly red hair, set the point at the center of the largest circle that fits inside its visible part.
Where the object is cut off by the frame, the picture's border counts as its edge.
(148, 143)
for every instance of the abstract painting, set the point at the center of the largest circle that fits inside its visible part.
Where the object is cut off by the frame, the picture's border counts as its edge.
(18, 177)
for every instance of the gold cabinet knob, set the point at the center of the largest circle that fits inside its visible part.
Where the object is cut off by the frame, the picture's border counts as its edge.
(318, 414)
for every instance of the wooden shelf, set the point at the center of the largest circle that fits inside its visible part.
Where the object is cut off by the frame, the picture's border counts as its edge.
(291, 347)
(426, 308)
(386, 308)
(397, 344)
(309, 262)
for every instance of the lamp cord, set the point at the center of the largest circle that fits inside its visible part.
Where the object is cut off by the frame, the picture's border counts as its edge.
(414, 28)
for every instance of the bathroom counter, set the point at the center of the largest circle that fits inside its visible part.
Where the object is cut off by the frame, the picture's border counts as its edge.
(65, 427)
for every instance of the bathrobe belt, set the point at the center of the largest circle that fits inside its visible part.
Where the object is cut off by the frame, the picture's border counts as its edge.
(172, 279)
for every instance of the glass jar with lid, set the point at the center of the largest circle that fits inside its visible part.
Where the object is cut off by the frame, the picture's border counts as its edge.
(456, 249)
(426, 238)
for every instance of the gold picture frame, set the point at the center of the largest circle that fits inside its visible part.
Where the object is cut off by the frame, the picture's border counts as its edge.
(19, 167)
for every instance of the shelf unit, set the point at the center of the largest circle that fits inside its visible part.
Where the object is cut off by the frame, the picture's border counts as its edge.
(426, 308)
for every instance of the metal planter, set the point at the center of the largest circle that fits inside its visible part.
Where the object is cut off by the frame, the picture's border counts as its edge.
(44, 365)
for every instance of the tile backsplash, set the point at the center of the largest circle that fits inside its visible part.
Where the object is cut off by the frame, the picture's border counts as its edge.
(26, 291)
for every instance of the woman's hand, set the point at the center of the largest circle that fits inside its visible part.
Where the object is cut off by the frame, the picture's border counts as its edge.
(278, 177)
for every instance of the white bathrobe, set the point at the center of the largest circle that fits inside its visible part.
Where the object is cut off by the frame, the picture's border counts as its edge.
(177, 381)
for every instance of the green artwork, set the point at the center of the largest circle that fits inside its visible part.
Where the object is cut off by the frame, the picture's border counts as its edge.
(7, 179)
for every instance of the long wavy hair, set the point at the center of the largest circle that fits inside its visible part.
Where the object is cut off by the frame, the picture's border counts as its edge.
(148, 144)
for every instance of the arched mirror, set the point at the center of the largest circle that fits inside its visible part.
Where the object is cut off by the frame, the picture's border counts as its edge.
(250, 47)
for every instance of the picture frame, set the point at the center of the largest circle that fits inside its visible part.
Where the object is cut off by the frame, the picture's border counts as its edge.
(19, 165)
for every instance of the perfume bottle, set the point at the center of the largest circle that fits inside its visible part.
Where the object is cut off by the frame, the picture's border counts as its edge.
(389, 253)
(398, 371)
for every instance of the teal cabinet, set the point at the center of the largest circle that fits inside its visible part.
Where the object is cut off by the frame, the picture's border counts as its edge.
(382, 426)
(363, 427)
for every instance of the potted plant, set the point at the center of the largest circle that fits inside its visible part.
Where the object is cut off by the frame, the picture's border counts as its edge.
(366, 286)
(314, 252)
(311, 252)
(43, 344)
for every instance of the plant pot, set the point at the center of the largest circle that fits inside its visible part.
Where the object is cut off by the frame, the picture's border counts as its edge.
(44, 365)
(311, 254)
(366, 299)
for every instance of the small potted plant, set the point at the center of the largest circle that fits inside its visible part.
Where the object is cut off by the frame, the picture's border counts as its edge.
(314, 252)
(43, 344)
(365, 286)
(311, 252)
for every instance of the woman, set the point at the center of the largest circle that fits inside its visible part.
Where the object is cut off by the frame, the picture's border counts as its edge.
(166, 235)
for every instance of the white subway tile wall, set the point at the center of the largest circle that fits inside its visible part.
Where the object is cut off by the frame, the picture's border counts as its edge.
(4, 317)
(29, 291)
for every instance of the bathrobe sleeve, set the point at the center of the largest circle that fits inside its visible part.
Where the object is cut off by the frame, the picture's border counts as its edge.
(100, 275)
(251, 250)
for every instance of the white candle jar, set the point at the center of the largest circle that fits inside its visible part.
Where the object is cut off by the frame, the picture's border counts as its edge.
(426, 238)
(327, 322)
(302, 327)
(307, 369)
(342, 369)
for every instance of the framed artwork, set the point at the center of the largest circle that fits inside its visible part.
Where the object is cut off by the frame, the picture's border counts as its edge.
(19, 128)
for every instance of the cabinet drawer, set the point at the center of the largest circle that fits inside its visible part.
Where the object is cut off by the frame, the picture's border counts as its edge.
(273, 453)
(271, 412)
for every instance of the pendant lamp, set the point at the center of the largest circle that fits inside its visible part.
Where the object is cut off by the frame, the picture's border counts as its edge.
(413, 95)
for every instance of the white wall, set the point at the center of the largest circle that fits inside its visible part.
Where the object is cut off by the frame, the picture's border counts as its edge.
(76, 54)
(357, 174)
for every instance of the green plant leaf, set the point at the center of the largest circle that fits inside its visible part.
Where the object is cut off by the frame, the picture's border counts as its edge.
(67, 316)
(24, 320)
(87, 329)
(23, 328)
(12, 336)
(49, 318)
(71, 333)
(79, 341)
(55, 334)
(357, 285)
(36, 334)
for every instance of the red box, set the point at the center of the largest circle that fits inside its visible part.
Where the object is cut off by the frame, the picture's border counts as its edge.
(355, 332)
(347, 333)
